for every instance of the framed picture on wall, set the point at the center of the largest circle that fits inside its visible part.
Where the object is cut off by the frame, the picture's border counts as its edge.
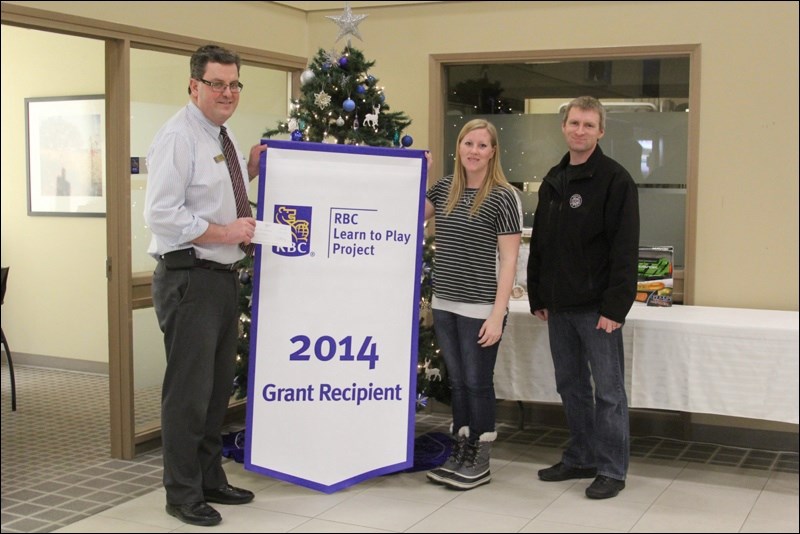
(66, 149)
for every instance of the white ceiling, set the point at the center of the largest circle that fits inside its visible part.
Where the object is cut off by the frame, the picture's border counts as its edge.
(328, 6)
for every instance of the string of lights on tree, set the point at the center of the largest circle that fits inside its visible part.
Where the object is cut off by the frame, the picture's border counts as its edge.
(342, 102)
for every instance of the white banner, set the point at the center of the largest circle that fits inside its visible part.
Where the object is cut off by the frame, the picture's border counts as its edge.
(333, 357)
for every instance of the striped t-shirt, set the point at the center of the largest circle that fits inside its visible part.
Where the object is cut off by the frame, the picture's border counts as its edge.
(466, 246)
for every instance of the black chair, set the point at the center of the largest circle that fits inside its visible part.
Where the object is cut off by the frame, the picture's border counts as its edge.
(5, 346)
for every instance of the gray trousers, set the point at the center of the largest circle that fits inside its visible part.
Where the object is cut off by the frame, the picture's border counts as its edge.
(197, 310)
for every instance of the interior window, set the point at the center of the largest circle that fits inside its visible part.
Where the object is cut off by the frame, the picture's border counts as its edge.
(646, 128)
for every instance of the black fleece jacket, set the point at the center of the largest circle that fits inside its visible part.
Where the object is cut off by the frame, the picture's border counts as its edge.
(585, 240)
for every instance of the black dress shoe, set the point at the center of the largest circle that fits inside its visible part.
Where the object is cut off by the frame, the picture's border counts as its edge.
(195, 513)
(227, 494)
(561, 471)
(604, 487)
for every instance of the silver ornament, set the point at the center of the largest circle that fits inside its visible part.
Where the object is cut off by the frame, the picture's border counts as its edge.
(307, 76)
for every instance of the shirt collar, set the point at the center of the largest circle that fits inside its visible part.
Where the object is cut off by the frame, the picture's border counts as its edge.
(197, 114)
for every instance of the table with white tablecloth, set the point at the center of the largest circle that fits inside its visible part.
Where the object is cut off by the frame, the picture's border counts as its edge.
(724, 361)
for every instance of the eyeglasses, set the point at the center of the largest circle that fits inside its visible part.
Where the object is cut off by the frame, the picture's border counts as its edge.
(219, 87)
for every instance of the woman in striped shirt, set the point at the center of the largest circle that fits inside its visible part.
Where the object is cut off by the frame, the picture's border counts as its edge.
(478, 218)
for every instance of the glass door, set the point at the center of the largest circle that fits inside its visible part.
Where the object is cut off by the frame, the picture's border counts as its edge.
(158, 90)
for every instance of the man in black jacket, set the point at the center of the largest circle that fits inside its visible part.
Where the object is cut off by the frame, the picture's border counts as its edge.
(582, 272)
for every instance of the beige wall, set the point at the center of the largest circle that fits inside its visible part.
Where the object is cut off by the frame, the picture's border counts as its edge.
(252, 24)
(747, 222)
(55, 261)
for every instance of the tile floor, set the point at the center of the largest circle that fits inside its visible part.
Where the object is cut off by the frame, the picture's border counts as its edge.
(57, 477)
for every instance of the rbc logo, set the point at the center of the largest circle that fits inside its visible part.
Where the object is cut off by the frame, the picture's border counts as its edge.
(298, 218)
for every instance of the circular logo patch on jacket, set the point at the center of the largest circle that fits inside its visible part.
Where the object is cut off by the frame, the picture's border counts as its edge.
(575, 201)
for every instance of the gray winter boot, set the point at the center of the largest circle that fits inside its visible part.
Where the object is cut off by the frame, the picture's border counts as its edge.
(474, 471)
(455, 460)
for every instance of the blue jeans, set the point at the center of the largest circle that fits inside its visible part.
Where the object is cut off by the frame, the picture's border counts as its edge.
(598, 420)
(470, 371)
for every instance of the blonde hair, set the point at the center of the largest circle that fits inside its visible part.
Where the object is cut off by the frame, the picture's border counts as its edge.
(494, 171)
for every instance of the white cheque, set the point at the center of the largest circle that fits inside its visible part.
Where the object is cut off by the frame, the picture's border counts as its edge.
(270, 233)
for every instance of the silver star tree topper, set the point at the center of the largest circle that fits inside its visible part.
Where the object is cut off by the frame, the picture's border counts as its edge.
(347, 22)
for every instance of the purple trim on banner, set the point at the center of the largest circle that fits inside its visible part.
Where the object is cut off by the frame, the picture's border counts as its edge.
(264, 212)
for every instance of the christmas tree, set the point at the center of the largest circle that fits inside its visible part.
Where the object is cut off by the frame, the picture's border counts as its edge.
(342, 102)
(245, 311)
(431, 372)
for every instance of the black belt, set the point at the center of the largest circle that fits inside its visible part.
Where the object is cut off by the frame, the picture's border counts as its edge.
(215, 266)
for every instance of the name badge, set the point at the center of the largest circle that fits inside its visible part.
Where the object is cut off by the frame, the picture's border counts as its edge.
(219, 158)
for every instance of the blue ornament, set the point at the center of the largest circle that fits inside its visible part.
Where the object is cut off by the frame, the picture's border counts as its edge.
(349, 105)
(381, 98)
(297, 135)
(361, 89)
(343, 61)
(407, 141)
(371, 79)
(326, 66)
